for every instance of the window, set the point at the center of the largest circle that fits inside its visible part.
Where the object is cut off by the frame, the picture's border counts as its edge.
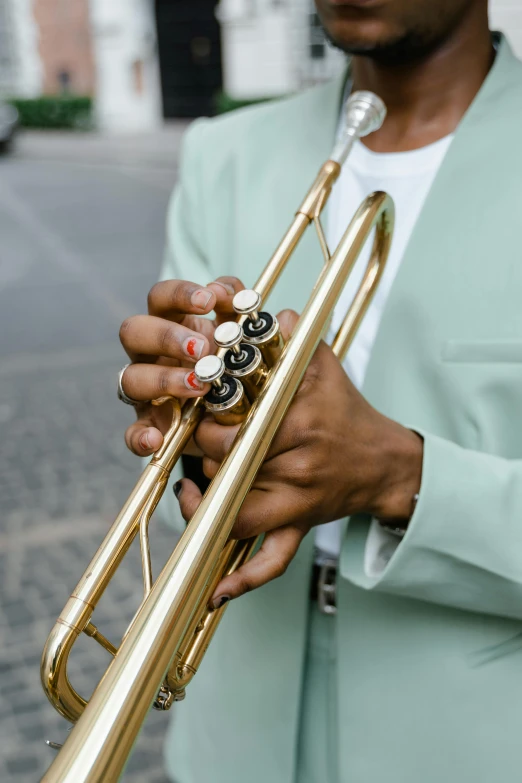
(317, 40)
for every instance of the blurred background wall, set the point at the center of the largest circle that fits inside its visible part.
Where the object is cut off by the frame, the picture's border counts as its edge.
(65, 50)
(147, 60)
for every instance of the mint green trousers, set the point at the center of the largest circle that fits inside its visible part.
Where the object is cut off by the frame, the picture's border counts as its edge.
(317, 753)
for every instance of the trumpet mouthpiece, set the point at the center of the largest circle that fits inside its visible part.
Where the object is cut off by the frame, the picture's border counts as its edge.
(364, 113)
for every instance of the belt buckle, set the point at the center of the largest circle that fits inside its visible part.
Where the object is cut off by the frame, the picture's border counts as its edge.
(327, 587)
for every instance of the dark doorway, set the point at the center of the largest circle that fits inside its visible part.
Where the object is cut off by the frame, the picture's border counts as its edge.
(190, 56)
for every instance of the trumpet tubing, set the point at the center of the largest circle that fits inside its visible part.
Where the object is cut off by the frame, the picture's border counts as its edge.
(254, 378)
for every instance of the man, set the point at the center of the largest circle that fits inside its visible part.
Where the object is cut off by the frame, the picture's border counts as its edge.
(417, 676)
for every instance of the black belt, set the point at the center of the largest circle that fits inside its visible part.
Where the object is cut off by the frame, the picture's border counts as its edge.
(323, 586)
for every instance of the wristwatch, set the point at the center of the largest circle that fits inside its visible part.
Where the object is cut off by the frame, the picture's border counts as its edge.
(399, 528)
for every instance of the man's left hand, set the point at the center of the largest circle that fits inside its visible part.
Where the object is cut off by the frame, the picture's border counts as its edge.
(333, 456)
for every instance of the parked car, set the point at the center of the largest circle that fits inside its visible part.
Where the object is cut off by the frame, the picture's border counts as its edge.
(8, 125)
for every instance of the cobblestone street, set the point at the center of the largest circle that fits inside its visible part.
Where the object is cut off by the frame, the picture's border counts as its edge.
(82, 228)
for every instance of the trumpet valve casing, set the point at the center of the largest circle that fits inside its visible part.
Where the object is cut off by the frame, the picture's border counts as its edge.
(226, 400)
(259, 328)
(242, 360)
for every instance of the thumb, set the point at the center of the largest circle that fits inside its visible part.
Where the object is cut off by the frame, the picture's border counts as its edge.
(144, 436)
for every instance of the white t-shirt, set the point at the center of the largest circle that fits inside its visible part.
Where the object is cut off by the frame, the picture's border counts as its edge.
(407, 177)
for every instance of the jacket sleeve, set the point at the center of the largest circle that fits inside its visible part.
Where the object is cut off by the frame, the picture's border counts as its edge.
(463, 547)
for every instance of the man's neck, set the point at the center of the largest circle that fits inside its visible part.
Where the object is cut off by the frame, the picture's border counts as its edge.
(427, 100)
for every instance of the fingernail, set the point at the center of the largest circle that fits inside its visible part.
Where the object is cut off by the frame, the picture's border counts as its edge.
(201, 298)
(217, 603)
(144, 441)
(178, 486)
(193, 346)
(228, 288)
(191, 382)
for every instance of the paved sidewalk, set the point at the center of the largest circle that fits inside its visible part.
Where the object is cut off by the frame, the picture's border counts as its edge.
(56, 510)
(82, 234)
(157, 150)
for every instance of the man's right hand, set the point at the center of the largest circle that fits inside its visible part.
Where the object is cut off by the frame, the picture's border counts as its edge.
(163, 347)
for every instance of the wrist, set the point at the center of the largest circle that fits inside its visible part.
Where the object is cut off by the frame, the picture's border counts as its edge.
(399, 476)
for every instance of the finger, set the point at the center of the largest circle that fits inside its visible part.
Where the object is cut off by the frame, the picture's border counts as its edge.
(173, 299)
(225, 289)
(267, 507)
(210, 467)
(215, 440)
(270, 561)
(152, 381)
(143, 438)
(145, 335)
(189, 498)
(287, 321)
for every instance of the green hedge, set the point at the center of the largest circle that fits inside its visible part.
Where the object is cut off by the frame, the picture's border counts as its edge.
(226, 103)
(60, 111)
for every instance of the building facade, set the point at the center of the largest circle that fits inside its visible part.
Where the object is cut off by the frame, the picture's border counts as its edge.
(144, 60)
(20, 65)
(272, 47)
(128, 96)
(65, 46)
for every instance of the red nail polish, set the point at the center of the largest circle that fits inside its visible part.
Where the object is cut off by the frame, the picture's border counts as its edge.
(192, 382)
(191, 346)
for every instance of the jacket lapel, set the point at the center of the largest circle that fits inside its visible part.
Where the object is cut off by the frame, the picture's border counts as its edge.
(446, 252)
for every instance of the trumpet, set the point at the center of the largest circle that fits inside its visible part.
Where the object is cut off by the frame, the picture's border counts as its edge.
(254, 377)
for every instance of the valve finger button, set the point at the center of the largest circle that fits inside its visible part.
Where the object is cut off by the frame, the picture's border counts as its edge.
(210, 369)
(248, 302)
(239, 356)
(229, 335)
(257, 325)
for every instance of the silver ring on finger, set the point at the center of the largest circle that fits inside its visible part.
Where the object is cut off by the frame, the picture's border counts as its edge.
(121, 394)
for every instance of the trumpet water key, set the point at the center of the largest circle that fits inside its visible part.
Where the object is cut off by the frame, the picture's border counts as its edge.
(254, 378)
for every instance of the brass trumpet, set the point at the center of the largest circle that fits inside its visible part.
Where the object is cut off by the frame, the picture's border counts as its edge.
(163, 646)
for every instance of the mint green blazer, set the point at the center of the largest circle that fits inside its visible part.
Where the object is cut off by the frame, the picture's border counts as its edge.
(430, 652)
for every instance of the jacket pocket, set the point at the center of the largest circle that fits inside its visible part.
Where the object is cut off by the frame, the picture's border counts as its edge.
(482, 351)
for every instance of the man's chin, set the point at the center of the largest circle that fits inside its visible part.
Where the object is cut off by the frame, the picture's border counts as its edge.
(358, 37)
(384, 48)
(355, 42)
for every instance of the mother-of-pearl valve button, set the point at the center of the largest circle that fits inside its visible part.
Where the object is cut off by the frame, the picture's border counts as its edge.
(228, 335)
(209, 369)
(247, 302)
